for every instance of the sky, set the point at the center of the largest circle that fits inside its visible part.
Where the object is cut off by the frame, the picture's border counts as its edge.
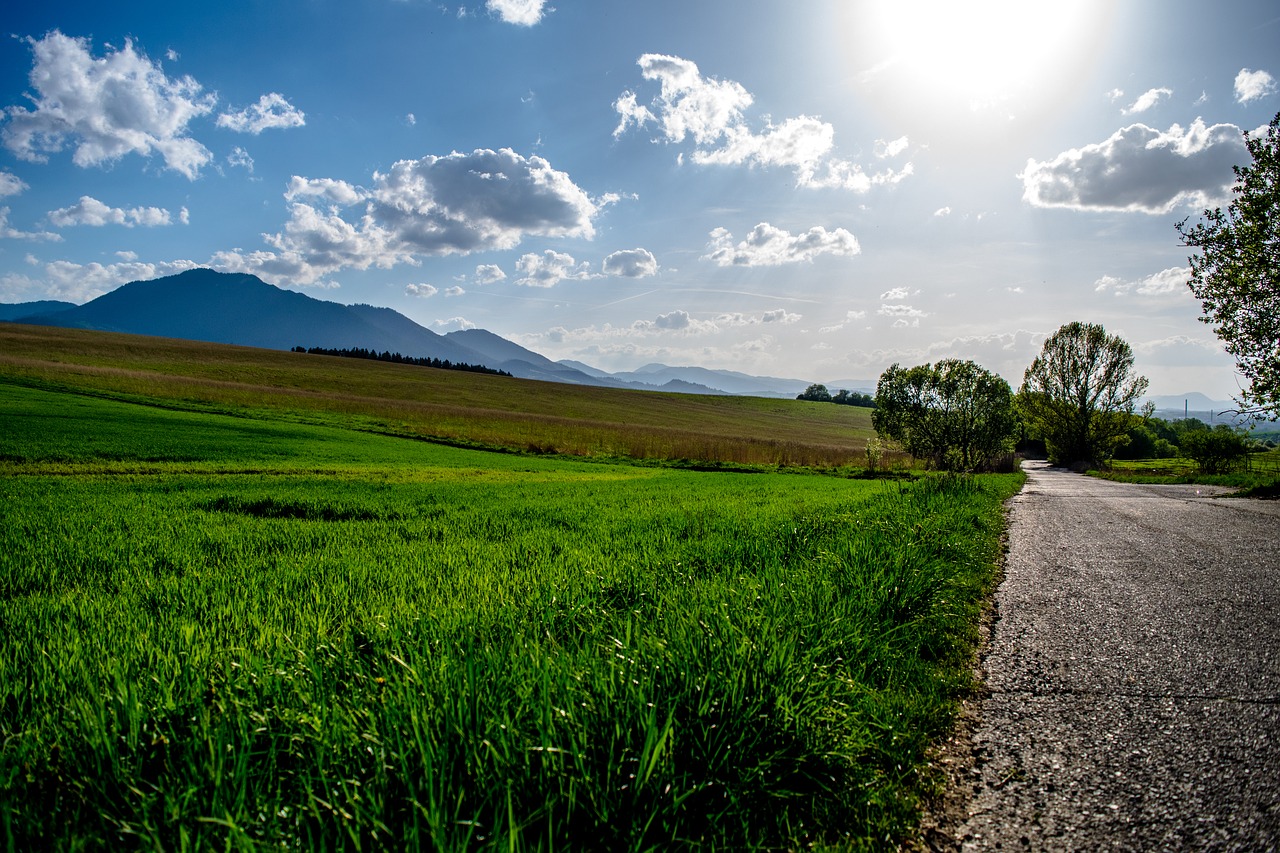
(810, 190)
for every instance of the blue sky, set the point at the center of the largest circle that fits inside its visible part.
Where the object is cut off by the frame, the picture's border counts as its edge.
(813, 190)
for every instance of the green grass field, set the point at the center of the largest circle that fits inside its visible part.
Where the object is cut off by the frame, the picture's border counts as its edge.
(227, 631)
(1260, 477)
(464, 408)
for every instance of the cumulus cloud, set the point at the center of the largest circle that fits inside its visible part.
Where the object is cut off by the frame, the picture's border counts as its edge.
(454, 291)
(630, 263)
(1167, 282)
(942, 211)
(1147, 100)
(8, 232)
(11, 184)
(711, 113)
(438, 205)
(336, 192)
(82, 282)
(894, 294)
(1252, 85)
(420, 290)
(272, 110)
(767, 246)
(90, 211)
(489, 274)
(524, 13)
(903, 315)
(550, 268)
(453, 324)
(106, 107)
(1140, 169)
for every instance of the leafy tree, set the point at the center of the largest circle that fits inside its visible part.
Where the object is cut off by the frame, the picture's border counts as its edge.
(1079, 393)
(1216, 450)
(1236, 275)
(853, 398)
(955, 414)
(817, 393)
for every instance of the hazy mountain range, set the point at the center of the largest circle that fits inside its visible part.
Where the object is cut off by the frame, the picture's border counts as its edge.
(234, 308)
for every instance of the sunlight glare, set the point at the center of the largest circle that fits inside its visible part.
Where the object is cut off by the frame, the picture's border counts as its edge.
(981, 53)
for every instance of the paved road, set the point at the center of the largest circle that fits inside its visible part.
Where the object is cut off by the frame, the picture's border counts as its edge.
(1134, 673)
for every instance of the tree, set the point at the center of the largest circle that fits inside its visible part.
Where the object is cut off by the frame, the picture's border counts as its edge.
(1080, 392)
(815, 392)
(955, 414)
(1236, 275)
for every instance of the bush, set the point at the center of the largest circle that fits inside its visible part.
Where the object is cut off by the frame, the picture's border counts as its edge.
(1216, 451)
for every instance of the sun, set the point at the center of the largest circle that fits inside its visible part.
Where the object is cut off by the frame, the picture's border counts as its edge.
(980, 54)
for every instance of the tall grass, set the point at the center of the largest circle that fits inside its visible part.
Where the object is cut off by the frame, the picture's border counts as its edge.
(277, 635)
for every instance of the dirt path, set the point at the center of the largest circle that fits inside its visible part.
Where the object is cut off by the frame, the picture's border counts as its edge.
(1133, 673)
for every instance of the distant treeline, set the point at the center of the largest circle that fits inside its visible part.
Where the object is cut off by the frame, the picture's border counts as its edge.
(820, 394)
(397, 358)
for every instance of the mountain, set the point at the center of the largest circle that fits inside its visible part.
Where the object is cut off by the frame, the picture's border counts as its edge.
(728, 381)
(234, 308)
(18, 310)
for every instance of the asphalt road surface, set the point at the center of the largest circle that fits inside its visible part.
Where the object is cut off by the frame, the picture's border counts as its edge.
(1133, 673)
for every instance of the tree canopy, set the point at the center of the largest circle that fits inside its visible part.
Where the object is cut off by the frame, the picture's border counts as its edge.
(955, 414)
(1080, 392)
(1235, 274)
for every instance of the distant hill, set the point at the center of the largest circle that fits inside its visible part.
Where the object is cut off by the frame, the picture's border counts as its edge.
(234, 308)
(10, 311)
(728, 381)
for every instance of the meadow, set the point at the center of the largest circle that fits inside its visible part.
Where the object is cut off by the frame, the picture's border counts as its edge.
(259, 627)
(466, 409)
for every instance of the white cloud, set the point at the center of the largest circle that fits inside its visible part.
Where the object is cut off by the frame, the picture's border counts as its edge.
(942, 211)
(82, 282)
(711, 112)
(121, 103)
(1167, 282)
(1252, 85)
(1147, 100)
(630, 263)
(767, 245)
(454, 291)
(1115, 94)
(550, 268)
(524, 13)
(420, 290)
(336, 192)
(241, 159)
(895, 294)
(11, 184)
(90, 211)
(127, 256)
(272, 110)
(891, 148)
(410, 119)
(489, 274)
(455, 204)
(453, 324)
(903, 315)
(8, 232)
(1140, 169)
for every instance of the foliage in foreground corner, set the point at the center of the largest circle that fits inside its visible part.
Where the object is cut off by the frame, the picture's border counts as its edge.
(1236, 274)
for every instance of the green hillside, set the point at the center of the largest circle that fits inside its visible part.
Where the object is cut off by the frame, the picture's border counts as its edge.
(439, 404)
